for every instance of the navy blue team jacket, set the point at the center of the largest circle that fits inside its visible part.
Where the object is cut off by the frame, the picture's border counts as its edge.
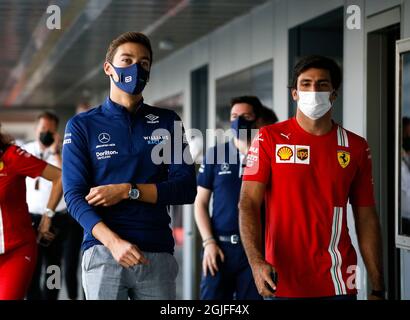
(109, 145)
(220, 173)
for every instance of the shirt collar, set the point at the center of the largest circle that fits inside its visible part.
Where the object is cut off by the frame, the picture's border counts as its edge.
(113, 108)
(42, 154)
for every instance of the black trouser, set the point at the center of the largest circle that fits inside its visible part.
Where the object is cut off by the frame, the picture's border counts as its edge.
(66, 246)
(71, 257)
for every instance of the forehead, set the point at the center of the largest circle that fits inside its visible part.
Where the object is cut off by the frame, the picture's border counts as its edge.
(46, 122)
(133, 49)
(315, 74)
(242, 108)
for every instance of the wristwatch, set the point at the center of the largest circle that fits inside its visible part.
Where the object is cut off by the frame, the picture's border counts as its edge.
(134, 193)
(49, 213)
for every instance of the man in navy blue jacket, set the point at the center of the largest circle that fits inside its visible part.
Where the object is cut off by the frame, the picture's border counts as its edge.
(124, 163)
(226, 271)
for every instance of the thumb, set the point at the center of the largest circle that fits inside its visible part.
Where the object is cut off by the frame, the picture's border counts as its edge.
(221, 254)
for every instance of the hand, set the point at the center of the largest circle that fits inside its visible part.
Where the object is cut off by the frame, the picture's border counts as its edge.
(56, 146)
(44, 229)
(211, 254)
(108, 195)
(262, 275)
(126, 253)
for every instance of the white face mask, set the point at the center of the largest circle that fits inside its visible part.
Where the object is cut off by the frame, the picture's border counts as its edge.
(314, 104)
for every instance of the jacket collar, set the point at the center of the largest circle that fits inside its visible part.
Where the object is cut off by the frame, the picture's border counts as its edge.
(115, 109)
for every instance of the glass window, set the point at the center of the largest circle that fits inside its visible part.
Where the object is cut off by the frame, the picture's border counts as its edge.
(404, 217)
(174, 103)
(256, 80)
(402, 193)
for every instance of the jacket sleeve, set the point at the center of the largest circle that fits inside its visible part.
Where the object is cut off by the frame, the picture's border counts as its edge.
(77, 175)
(180, 187)
(205, 177)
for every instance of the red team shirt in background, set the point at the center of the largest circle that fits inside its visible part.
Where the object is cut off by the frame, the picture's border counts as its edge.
(309, 180)
(17, 237)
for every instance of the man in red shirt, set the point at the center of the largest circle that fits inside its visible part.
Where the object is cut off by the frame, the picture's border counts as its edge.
(18, 247)
(308, 167)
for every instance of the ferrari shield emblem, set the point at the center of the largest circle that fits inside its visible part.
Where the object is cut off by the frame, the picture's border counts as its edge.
(344, 158)
(1, 165)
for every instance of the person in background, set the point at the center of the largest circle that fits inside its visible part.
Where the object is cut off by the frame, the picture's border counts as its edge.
(82, 107)
(226, 271)
(46, 146)
(18, 243)
(267, 117)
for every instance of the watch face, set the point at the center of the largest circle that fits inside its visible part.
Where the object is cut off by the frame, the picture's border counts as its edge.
(134, 194)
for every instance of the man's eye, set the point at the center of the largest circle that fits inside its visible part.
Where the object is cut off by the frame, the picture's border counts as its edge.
(144, 64)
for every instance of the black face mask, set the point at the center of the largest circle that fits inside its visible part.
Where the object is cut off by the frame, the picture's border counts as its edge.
(46, 138)
(241, 123)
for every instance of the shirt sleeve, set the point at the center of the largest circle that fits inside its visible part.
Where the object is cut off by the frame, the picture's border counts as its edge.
(361, 191)
(26, 164)
(77, 176)
(205, 177)
(180, 187)
(258, 162)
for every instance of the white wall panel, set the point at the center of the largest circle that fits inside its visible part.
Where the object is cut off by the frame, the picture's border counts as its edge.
(300, 11)
(376, 6)
(261, 38)
(405, 19)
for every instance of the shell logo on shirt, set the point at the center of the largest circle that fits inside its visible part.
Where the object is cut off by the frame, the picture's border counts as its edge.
(1, 165)
(285, 153)
(344, 158)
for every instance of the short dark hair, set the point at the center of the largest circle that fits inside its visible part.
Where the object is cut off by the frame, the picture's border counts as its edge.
(50, 116)
(131, 36)
(268, 116)
(251, 100)
(318, 62)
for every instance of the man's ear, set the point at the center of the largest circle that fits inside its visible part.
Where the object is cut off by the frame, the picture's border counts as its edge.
(294, 94)
(333, 96)
(109, 71)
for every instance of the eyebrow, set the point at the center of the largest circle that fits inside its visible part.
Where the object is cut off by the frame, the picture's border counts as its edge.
(310, 80)
(124, 54)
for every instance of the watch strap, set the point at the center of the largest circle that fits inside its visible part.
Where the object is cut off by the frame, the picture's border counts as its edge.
(49, 213)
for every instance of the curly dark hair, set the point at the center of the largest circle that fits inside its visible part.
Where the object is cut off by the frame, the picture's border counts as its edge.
(318, 62)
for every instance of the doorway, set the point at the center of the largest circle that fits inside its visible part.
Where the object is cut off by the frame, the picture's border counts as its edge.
(381, 40)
